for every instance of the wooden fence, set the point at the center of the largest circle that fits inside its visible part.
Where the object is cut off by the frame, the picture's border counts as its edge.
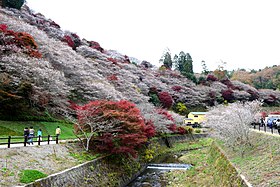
(27, 140)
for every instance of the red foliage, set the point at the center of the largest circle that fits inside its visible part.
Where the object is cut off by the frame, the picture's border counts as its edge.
(211, 78)
(254, 95)
(3, 27)
(230, 85)
(114, 61)
(228, 95)
(21, 40)
(96, 45)
(172, 127)
(166, 99)
(127, 130)
(73, 40)
(69, 41)
(181, 130)
(271, 99)
(177, 88)
(149, 129)
(112, 78)
(166, 114)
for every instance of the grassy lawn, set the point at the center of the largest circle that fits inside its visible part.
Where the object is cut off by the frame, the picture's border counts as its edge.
(204, 172)
(260, 164)
(15, 128)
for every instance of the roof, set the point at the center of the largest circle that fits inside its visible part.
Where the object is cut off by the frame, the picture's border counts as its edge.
(199, 113)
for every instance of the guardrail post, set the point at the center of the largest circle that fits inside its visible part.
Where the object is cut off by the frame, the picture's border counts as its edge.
(264, 128)
(272, 129)
(39, 140)
(56, 139)
(254, 126)
(9, 141)
(48, 139)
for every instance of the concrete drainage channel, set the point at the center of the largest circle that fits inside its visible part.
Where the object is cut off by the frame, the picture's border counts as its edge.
(153, 175)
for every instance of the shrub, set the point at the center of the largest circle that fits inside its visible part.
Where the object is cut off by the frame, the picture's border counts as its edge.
(181, 109)
(228, 95)
(254, 95)
(165, 99)
(176, 88)
(211, 78)
(27, 176)
(73, 40)
(197, 130)
(154, 99)
(96, 45)
(13, 3)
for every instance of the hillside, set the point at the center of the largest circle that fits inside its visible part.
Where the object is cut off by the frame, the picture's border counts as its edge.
(45, 68)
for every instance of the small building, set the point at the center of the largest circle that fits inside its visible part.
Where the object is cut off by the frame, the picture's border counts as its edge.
(195, 118)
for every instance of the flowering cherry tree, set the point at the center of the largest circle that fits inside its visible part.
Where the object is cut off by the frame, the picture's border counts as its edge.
(231, 123)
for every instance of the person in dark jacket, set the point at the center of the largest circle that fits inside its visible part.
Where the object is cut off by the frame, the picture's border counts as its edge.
(26, 134)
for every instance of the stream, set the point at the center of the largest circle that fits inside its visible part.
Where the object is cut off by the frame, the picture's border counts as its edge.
(153, 175)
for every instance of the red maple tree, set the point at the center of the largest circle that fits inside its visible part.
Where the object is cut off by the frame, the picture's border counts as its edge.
(119, 126)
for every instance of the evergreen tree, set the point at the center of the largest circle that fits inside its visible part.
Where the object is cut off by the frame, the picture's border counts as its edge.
(183, 63)
(166, 59)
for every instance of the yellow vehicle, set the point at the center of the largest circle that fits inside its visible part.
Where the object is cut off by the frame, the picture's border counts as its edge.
(195, 118)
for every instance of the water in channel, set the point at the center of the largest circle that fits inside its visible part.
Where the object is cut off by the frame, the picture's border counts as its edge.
(153, 175)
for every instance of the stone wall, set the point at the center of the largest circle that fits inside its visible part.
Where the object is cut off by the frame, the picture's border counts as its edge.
(98, 172)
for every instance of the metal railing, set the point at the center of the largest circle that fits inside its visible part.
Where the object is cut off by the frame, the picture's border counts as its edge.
(265, 128)
(27, 140)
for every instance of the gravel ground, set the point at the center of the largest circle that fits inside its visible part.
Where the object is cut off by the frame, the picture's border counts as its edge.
(48, 159)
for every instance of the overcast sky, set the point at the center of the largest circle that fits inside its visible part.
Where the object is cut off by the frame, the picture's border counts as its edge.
(243, 33)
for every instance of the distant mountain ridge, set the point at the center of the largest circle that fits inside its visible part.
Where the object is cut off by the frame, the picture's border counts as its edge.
(79, 70)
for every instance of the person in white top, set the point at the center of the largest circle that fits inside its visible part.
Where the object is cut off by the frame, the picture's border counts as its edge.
(278, 125)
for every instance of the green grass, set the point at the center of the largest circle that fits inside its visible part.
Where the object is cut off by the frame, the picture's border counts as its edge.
(84, 156)
(27, 176)
(261, 163)
(206, 170)
(15, 128)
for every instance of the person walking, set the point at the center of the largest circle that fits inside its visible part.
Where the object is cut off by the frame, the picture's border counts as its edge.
(57, 131)
(26, 134)
(269, 123)
(278, 125)
(39, 135)
(31, 135)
